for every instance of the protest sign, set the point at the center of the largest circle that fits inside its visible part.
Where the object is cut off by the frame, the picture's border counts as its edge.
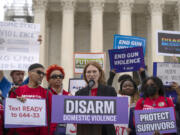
(126, 60)
(122, 42)
(168, 43)
(80, 60)
(167, 72)
(19, 47)
(89, 109)
(148, 121)
(121, 128)
(31, 113)
(76, 84)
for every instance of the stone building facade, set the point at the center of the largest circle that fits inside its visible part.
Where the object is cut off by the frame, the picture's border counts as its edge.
(69, 26)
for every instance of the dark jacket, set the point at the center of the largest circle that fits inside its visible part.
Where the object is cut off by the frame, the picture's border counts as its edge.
(103, 90)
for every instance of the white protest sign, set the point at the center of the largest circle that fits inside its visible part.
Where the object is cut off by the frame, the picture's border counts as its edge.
(81, 59)
(30, 113)
(168, 72)
(19, 46)
(76, 84)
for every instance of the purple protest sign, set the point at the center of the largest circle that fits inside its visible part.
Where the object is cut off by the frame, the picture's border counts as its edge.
(148, 121)
(89, 109)
(126, 60)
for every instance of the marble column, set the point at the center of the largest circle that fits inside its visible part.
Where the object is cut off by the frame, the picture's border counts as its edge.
(178, 10)
(67, 44)
(40, 7)
(156, 12)
(125, 22)
(125, 16)
(96, 25)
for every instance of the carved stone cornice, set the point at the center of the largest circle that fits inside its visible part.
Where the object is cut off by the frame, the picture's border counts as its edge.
(39, 5)
(97, 5)
(125, 5)
(68, 4)
(156, 6)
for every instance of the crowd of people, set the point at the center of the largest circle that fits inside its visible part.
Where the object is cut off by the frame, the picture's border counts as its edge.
(149, 94)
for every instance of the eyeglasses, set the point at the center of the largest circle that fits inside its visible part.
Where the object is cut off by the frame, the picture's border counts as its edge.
(40, 72)
(55, 76)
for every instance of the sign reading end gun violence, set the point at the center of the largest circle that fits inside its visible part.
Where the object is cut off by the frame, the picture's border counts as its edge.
(89, 110)
(148, 121)
(29, 114)
(126, 60)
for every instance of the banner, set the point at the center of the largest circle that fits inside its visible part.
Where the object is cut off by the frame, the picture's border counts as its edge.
(148, 121)
(29, 114)
(89, 109)
(167, 72)
(122, 42)
(19, 47)
(81, 59)
(168, 43)
(126, 60)
(76, 84)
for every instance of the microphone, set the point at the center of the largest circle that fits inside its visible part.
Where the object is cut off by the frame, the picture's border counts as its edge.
(91, 83)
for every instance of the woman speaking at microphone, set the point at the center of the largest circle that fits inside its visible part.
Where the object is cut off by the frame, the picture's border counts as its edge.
(95, 78)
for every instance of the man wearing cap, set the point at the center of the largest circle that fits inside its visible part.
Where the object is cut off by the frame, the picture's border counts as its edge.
(33, 90)
(17, 80)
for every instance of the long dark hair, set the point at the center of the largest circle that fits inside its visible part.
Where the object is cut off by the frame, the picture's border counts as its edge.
(156, 81)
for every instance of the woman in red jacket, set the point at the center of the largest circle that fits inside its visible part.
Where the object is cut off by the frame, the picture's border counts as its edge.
(55, 75)
(153, 96)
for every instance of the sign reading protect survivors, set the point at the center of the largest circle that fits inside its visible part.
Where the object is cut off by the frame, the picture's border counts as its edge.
(19, 46)
(122, 42)
(81, 59)
(148, 121)
(29, 114)
(167, 72)
(89, 110)
(168, 43)
(126, 60)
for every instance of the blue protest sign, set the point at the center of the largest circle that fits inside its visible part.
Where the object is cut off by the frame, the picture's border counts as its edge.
(126, 60)
(122, 41)
(89, 109)
(148, 121)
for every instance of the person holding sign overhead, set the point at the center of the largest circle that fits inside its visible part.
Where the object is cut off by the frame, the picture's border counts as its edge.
(55, 75)
(95, 78)
(153, 95)
(32, 90)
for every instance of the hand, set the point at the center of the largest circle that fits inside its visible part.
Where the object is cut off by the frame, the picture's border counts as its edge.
(141, 69)
(156, 133)
(70, 94)
(22, 99)
(175, 86)
(114, 71)
(128, 130)
(39, 39)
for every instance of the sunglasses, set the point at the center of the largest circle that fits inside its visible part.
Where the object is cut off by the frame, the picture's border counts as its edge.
(40, 72)
(55, 76)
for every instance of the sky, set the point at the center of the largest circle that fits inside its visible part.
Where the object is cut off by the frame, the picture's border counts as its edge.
(1, 9)
(3, 2)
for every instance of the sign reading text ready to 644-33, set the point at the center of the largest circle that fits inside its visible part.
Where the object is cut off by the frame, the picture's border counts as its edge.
(29, 114)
